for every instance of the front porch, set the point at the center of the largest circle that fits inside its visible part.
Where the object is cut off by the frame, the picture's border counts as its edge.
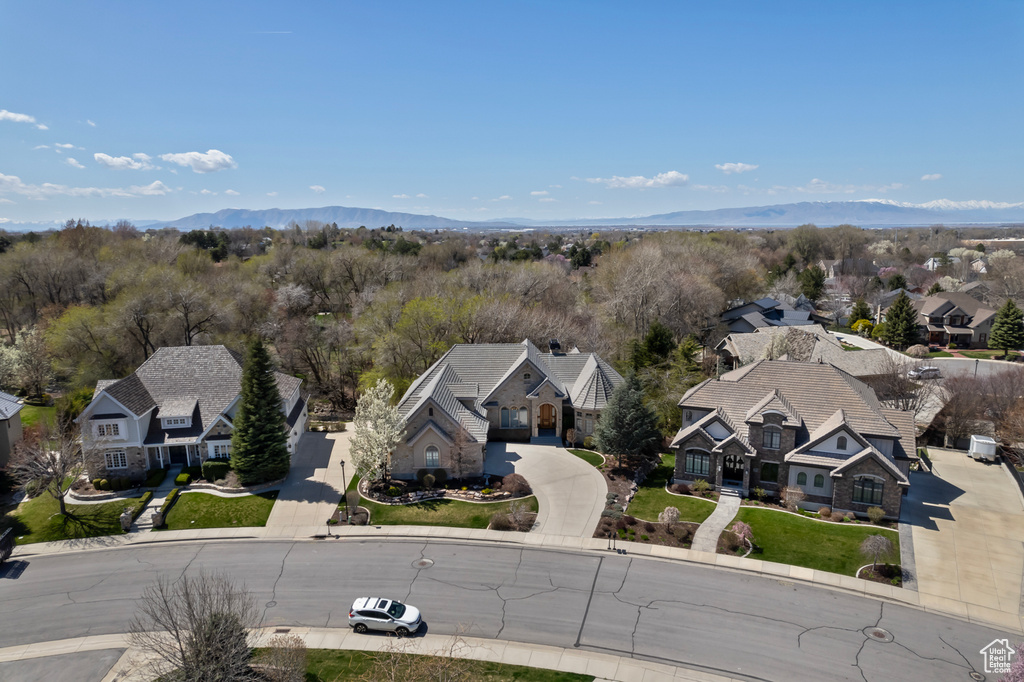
(725, 471)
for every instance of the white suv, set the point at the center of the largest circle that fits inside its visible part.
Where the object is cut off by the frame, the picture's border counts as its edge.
(386, 615)
(925, 373)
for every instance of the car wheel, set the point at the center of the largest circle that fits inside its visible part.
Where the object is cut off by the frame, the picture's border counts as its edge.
(360, 628)
(402, 632)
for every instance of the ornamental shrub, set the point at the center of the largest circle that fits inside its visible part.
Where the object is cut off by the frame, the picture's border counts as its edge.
(104, 484)
(440, 476)
(486, 491)
(876, 514)
(155, 477)
(214, 470)
(421, 474)
(96, 483)
(183, 479)
(515, 484)
(500, 521)
(700, 486)
(394, 492)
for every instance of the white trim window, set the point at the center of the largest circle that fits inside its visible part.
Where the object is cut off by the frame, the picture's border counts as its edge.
(116, 459)
(108, 430)
(176, 422)
(220, 450)
(433, 456)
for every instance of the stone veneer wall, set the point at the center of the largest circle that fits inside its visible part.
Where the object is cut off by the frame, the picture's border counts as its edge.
(842, 493)
(96, 464)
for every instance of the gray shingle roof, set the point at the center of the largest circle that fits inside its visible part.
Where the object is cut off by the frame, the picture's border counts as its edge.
(205, 377)
(9, 405)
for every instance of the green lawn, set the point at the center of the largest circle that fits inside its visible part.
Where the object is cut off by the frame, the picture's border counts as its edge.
(985, 354)
(203, 510)
(31, 414)
(39, 519)
(789, 539)
(939, 354)
(328, 665)
(652, 498)
(589, 457)
(453, 513)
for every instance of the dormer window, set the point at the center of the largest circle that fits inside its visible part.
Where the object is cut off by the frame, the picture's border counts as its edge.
(688, 416)
(430, 411)
(108, 430)
(176, 422)
(841, 443)
(526, 377)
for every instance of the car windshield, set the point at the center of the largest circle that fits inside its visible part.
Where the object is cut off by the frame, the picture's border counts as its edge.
(396, 610)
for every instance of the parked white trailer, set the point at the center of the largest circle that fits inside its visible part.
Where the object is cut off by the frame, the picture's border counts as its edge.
(983, 448)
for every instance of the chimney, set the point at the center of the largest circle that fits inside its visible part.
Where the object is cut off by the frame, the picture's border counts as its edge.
(554, 346)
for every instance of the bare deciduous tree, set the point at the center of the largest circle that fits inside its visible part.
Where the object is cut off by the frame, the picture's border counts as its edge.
(963, 398)
(875, 547)
(196, 628)
(403, 660)
(896, 389)
(49, 457)
(793, 495)
(283, 659)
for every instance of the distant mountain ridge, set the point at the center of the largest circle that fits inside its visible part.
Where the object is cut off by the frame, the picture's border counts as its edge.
(869, 213)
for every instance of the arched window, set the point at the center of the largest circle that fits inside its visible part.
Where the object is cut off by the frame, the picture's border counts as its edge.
(841, 443)
(698, 463)
(689, 416)
(868, 490)
(801, 478)
(772, 438)
(504, 418)
(433, 456)
(819, 481)
(430, 411)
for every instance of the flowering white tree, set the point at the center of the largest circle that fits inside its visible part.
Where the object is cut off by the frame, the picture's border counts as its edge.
(378, 429)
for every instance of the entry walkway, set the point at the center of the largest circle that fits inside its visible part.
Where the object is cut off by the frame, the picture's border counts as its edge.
(967, 522)
(570, 492)
(314, 486)
(706, 537)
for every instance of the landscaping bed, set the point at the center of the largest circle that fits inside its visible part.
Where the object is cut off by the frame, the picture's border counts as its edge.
(652, 497)
(476, 489)
(203, 510)
(888, 574)
(631, 529)
(441, 512)
(790, 539)
(39, 519)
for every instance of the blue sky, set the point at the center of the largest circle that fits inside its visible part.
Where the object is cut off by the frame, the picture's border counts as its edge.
(480, 110)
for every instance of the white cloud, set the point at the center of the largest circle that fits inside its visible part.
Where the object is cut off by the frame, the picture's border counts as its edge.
(711, 188)
(540, 193)
(931, 176)
(73, 163)
(596, 203)
(41, 146)
(948, 205)
(64, 146)
(669, 179)
(503, 197)
(134, 162)
(400, 196)
(547, 199)
(730, 168)
(5, 220)
(817, 186)
(271, 194)
(91, 124)
(555, 186)
(207, 192)
(319, 189)
(5, 201)
(231, 192)
(421, 195)
(20, 118)
(210, 161)
(12, 184)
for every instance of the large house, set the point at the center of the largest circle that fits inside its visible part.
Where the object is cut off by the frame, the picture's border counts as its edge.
(765, 312)
(497, 391)
(778, 423)
(176, 408)
(10, 426)
(954, 317)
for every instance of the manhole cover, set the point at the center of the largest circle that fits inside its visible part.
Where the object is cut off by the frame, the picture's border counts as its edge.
(975, 675)
(271, 604)
(423, 563)
(878, 634)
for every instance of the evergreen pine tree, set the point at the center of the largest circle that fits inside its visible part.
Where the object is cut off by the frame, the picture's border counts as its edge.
(860, 311)
(1008, 328)
(901, 322)
(627, 426)
(259, 442)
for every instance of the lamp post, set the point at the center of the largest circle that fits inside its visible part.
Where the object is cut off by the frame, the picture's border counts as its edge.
(344, 496)
(976, 361)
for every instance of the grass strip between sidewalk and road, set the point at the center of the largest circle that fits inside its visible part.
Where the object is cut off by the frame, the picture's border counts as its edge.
(652, 498)
(203, 510)
(444, 512)
(327, 665)
(790, 539)
(591, 458)
(39, 519)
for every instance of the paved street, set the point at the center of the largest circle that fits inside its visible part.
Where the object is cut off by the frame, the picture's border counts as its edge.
(314, 485)
(968, 528)
(570, 492)
(79, 667)
(731, 623)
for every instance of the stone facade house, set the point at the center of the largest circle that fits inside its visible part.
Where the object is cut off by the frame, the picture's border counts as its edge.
(10, 426)
(954, 317)
(497, 391)
(779, 423)
(176, 408)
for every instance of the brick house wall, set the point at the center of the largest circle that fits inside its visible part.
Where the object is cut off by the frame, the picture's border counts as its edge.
(842, 493)
(408, 458)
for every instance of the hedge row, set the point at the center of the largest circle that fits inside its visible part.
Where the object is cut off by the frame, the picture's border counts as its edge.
(144, 500)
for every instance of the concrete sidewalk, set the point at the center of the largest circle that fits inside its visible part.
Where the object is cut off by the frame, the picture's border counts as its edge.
(602, 666)
(314, 486)
(706, 537)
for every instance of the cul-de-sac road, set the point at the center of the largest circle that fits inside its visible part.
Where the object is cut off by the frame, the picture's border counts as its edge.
(713, 620)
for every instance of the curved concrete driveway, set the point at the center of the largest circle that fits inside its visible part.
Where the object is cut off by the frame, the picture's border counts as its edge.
(570, 492)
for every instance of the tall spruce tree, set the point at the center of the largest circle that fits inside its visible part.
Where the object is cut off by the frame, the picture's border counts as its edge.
(259, 442)
(1008, 328)
(860, 311)
(901, 322)
(627, 426)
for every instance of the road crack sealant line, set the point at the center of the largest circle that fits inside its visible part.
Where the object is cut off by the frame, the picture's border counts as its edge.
(273, 594)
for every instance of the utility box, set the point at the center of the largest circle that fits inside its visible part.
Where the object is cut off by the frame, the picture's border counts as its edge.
(983, 448)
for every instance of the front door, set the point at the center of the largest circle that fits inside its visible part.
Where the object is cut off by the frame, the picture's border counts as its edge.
(179, 455)
(547, 417)
(732, 468)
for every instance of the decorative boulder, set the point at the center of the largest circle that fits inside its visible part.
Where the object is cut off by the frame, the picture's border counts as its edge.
(126, 520)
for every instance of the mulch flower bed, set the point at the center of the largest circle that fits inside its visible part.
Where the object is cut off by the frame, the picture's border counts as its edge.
(631, 529)
(358, 519)
(889, 574)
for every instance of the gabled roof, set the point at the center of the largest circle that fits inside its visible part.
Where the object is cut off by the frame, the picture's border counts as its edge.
(871, 453)
(206, 378)
(431, 425)
(9, 405)
(437, 392)
(701, 425)
(806, 454)
(773, 401)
